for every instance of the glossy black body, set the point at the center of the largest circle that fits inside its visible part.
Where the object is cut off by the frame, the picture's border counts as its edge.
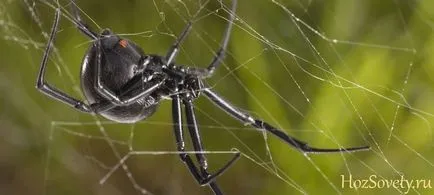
(119, 66)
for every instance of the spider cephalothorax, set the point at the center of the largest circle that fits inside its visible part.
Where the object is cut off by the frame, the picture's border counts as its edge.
(123, 84)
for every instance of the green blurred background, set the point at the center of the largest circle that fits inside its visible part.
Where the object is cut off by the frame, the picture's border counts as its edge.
(372, 86)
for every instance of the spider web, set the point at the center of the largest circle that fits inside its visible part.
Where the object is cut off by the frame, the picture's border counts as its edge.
(334, 74)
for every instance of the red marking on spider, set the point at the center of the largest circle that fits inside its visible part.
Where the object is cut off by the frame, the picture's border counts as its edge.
(123, 43)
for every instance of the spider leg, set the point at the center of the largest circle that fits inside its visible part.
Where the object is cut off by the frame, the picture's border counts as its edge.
(120, 100)
(174, 49)
(179, 136)
(220, 54)
(197, 144)
(247, 119)
(44, 87)
(80, 24)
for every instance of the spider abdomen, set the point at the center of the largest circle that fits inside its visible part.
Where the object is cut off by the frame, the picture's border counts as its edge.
(118, 67)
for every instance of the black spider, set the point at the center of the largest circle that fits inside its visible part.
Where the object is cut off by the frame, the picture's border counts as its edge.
(123, 84)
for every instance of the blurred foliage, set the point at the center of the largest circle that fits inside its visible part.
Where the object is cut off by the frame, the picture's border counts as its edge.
(372, 86)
